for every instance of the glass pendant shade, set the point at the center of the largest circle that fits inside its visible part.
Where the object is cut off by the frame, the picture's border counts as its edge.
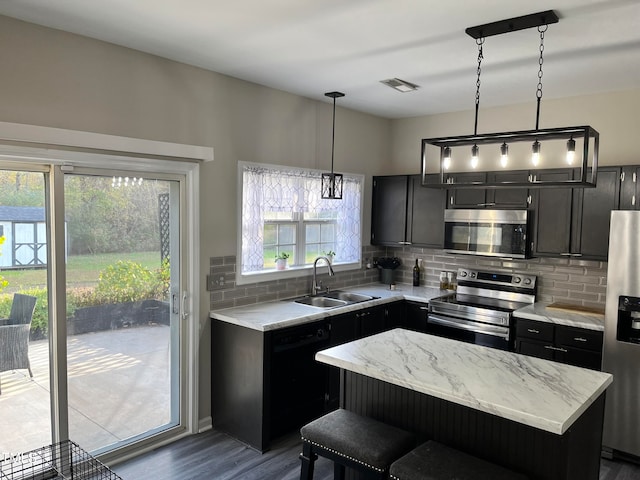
(535, 153)
(474, 156)
(571, 151)
(504, 155)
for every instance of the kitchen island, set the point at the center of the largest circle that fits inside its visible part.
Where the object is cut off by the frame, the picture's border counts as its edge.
(531, 415)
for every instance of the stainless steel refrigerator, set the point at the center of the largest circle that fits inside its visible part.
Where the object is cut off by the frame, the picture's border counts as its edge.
(622, 336)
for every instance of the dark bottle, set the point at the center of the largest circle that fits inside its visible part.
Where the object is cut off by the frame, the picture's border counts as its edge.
(416, 274)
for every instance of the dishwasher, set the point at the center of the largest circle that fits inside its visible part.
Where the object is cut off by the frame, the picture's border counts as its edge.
(299, 384)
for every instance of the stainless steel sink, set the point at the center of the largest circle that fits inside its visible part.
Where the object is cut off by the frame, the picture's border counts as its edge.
(322, 302)
(333, 299)
(348, 297)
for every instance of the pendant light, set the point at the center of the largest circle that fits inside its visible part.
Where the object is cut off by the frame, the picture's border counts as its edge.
(332, 182)
(589, 137)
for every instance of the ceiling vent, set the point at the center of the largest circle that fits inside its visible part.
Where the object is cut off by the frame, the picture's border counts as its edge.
(400, 85)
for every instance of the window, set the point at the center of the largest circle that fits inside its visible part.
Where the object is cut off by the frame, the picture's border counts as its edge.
(282, 212)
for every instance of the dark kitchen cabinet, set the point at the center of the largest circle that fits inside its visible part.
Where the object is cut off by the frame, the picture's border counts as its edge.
(426, 224)
(574, 222)
(629, 187)
(553, 215)
(415, 317)
(467, 197)
(500, 198)
(506, 198)
(389, 210)
(591, 239)
(406, 213)
(574, 346)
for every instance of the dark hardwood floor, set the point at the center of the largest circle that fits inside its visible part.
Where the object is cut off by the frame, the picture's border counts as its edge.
(214, 455)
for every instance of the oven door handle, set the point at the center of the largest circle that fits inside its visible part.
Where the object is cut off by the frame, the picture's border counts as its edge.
(501, 332)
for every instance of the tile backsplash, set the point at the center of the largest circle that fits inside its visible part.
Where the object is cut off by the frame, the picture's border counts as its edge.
(573, 281)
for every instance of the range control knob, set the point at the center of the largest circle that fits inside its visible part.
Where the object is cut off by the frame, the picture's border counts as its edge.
(472, 274)
(517, 279)
(463, 273)
(527, 281)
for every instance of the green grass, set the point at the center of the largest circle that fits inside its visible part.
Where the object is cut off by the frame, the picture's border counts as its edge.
(82, 270)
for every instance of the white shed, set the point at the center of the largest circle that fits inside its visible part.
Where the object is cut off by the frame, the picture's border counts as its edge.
(24, 229)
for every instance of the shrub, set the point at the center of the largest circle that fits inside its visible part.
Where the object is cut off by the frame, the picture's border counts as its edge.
(128, 281)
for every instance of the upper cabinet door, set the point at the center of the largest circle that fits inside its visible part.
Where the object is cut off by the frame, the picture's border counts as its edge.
(553, 214)
(516, 198)
(467, 197)
(389, 210)
(595, 216)
(426, 223)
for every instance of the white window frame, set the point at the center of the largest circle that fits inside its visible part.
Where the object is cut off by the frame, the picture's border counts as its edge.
(295, 270)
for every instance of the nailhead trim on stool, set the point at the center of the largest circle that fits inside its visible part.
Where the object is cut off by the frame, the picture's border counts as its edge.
(434, 461)
(359, 441)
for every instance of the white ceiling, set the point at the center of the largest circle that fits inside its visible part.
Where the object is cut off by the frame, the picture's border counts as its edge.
(309, 47)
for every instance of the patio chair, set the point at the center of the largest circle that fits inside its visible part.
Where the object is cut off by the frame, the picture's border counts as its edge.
(14, 334)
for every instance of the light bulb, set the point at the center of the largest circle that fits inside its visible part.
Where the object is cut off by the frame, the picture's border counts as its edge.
(571, 151)
(474, 156)
(446, 158)
(504, 155)
(535, 157)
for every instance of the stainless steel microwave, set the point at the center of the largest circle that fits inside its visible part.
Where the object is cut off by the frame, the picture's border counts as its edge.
(495, 233)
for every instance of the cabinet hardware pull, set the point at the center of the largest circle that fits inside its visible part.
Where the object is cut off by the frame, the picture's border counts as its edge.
(529, 200)
(557, 349)
(580, 339)
(529, 178)
(532, 330)
(424, 308)
(622, 176)
(634, 177)
(633, 200)
(576, 254)
(404, 243)
(451, 200)
(566, 254)
(488, 204)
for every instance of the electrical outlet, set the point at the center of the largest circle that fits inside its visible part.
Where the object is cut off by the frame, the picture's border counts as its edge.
(215, 282)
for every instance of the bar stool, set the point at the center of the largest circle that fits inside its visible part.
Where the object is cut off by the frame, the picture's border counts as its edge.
(434, 461)
(352, 441)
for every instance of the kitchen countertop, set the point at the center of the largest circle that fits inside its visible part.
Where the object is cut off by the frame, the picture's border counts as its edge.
(540, 393)
(539, 311)
(277, 314)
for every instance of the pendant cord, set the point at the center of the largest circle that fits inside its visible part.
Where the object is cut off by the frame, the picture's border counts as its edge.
(479, 42)
(333, 133)
(541, 29)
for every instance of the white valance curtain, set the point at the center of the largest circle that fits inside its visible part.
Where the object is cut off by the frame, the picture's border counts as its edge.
(287, 189)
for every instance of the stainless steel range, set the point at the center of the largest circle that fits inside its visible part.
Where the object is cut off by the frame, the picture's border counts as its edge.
(481, 310)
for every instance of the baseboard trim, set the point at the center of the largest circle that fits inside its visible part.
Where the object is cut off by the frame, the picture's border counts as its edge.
(205, 424)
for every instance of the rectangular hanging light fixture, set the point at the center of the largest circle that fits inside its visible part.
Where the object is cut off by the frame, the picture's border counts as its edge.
(557, 147)
(527, 150)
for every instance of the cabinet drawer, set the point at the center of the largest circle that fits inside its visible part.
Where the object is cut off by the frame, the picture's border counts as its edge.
(540, 331)
(579, 338)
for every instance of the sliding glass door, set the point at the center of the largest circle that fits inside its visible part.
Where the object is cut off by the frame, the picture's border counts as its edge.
(122, 298)
(102, 254)
(25, 413)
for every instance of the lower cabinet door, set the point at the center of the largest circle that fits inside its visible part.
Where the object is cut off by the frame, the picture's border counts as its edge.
(534, 349)
(580, 357)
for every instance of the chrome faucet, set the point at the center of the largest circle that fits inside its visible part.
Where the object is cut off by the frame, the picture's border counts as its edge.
(315, 288)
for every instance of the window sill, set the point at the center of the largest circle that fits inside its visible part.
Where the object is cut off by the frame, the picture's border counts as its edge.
(292, 272)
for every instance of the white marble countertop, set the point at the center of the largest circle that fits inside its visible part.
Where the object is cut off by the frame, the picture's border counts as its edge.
(539, 311)
(535, 392)
(277, 314)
